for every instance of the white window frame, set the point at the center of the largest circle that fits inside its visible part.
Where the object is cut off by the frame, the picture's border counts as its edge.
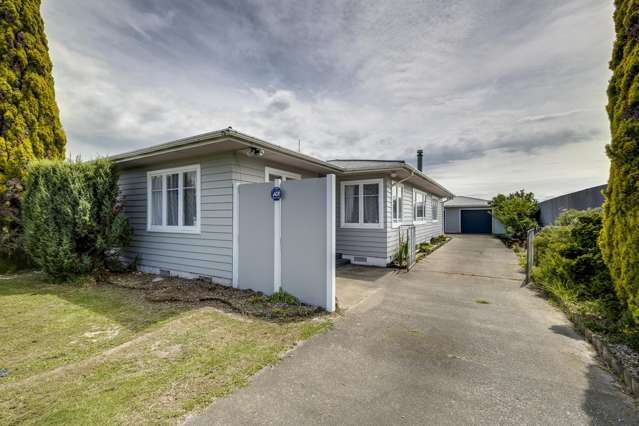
(283, 173)
(422, 219)
(380, 204)
(434, 200)
(180, 228)
(396, 223)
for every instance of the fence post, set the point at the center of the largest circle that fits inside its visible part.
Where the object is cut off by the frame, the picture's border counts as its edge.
(530, 252)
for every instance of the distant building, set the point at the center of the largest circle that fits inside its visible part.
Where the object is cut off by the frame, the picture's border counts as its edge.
(585, 199)
(468, 215)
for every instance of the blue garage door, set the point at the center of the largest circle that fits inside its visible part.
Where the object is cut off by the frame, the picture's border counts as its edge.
(476, 222)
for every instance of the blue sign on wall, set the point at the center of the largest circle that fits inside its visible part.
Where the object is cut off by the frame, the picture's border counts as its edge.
(276, 193)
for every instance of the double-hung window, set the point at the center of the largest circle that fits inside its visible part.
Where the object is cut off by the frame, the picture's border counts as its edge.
(420, 206)
(361, 204)
(397, 192)
(435, 209)
(174, 200)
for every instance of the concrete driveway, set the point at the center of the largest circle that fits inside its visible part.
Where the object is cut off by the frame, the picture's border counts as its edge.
(420, 349)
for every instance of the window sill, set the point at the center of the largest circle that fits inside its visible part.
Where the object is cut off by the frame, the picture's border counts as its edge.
(396, 224)
(363, 225)
(174, 229)
(435, 221)
(419, 222)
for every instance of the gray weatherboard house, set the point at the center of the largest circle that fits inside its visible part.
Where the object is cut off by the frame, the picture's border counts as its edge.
(179, 198)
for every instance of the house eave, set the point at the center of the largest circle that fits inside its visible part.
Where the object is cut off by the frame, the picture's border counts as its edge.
(225, 140)
(409, 172)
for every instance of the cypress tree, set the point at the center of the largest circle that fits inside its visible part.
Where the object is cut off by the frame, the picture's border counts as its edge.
(619, 239)
(29, 119)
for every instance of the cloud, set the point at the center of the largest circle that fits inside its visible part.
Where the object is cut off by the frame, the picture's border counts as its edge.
(464, 81)
(511, 142)
(550, 117)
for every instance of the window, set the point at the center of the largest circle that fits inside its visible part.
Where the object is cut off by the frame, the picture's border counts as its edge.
(435, 209)
(361, 204)
(420, 206)
(270, 174)
(174, 200)
(398, 197)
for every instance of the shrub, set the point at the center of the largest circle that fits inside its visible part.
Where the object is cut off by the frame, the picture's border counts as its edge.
(12, 256)
(425, 248)
(567, 254)
(73, 221)
(620, 237)
(438, 239)
(283, 297)
(517, 212)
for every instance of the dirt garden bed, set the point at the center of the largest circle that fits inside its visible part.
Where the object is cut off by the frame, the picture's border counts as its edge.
(246, 302)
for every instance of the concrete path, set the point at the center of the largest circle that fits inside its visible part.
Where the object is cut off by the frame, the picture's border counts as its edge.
(422, 350)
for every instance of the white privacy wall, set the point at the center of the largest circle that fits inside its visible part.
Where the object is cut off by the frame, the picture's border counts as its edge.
(287, 244)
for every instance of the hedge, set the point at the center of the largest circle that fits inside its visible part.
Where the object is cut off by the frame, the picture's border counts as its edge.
(567, 254)
(73, 220)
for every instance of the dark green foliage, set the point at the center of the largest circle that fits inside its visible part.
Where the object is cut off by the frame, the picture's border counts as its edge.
(568, 253)
(12, 255)
(29, 119)
(517, 212)
(73, 221)
(402, 254)
(619, 240)
(426, 248)
(438, 239)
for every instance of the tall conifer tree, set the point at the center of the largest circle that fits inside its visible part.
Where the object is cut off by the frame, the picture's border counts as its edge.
(29, 119)
(619, 239)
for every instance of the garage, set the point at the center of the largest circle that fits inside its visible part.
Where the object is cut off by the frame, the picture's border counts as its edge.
(476, 222)
(469, 215)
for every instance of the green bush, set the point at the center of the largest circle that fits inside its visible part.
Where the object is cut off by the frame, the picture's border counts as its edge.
(620, 237)
(73, 220)
(438, 239)
(567, 254)
(283, 297)
(517, 212)
(425, 248)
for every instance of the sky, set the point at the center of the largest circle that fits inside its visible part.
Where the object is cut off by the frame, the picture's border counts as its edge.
(500, 95)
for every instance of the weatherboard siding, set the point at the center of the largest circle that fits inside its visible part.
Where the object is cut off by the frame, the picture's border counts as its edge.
(424, 231)
(209, 253)
(361, 242)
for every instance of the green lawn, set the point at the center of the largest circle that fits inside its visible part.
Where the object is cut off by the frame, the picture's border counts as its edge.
(83, 354)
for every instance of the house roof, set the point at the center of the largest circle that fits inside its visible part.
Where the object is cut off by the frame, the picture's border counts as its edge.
(410, 173)
(231, 140)
(213, 142)
(460, 201)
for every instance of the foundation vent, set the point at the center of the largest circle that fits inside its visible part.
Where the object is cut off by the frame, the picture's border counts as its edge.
(360, 259)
